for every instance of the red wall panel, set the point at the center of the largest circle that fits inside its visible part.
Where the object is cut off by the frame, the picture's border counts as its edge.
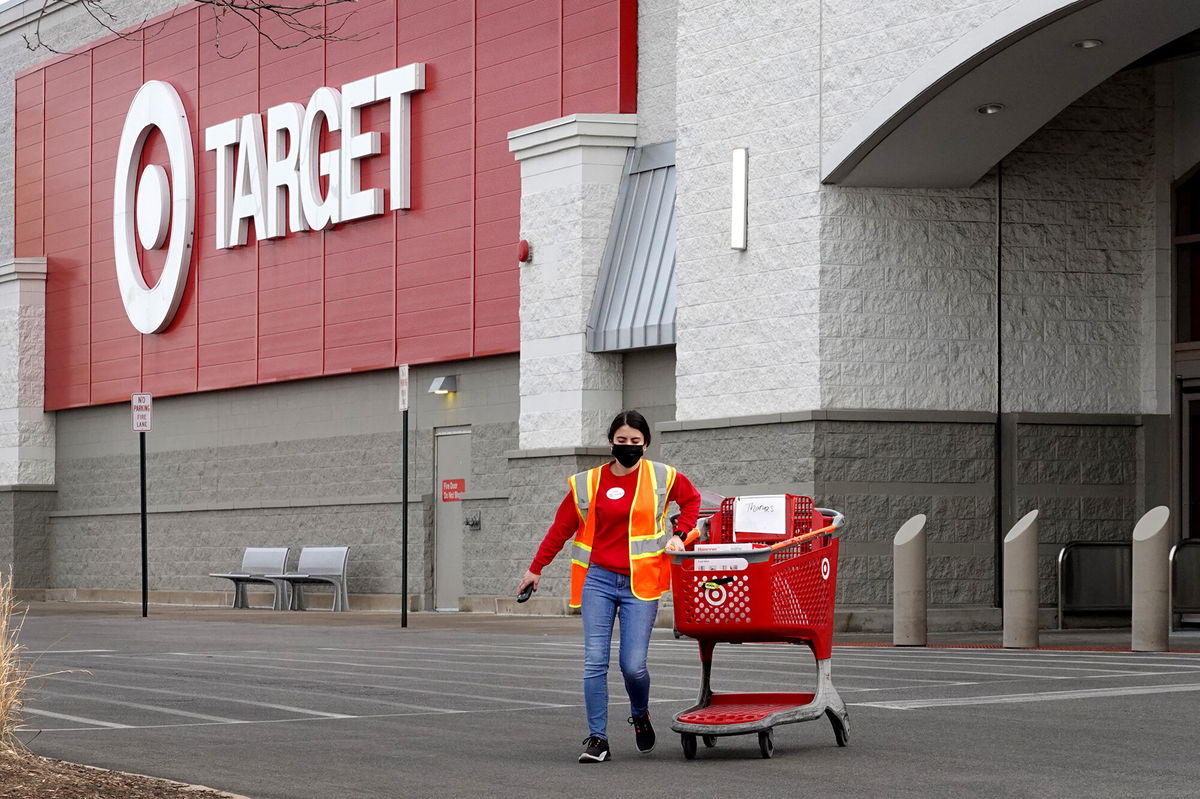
(432, 283)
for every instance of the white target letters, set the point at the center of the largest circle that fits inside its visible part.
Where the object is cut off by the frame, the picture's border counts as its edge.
(284, 181)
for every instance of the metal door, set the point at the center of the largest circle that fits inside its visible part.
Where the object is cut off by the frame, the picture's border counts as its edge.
(451, 470)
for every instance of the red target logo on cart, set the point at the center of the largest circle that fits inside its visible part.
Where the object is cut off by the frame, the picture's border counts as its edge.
(825, 568)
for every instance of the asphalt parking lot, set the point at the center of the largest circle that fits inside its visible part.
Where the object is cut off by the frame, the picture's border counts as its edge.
(285, 705)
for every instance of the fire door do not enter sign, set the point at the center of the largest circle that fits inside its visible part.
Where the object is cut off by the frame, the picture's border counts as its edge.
(452, 490)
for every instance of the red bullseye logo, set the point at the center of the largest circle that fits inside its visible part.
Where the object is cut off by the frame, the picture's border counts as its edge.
(825, 568)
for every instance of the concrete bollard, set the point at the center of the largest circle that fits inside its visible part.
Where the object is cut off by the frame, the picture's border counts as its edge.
(909, 600)
(1021, 584)
(1151, 619)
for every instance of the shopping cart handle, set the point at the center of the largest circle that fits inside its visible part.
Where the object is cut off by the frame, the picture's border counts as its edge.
(797, 539)
(691, 537)
(836, 516)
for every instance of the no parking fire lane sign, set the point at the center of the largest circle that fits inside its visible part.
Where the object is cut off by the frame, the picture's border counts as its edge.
(142, 407)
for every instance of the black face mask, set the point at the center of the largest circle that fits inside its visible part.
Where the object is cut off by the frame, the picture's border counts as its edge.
(628, 454)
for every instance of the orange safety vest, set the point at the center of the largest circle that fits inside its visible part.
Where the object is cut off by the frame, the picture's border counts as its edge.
(649, 569)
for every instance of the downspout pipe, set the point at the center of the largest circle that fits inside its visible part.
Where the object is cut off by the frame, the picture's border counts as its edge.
(1000, 442)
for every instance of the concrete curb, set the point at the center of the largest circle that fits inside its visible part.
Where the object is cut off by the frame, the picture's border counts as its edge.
(185, 786)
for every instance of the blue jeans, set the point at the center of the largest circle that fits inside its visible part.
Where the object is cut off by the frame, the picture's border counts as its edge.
(607, 596)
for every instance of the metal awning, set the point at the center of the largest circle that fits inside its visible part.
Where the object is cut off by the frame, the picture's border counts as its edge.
(634, 305)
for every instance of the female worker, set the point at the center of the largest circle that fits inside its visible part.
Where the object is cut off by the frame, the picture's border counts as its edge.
(617, 513)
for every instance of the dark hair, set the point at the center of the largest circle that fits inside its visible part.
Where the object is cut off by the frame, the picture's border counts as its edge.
(634, 420)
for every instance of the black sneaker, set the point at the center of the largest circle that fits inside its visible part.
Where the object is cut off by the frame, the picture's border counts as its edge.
(595, 750)
(643, 732)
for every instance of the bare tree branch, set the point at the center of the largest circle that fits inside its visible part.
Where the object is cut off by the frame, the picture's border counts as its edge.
(283, 25)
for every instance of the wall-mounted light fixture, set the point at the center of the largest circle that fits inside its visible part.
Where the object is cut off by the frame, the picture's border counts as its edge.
(446, 384)
(739, 221)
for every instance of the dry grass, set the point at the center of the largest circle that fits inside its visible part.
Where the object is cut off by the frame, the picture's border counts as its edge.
(14, 673)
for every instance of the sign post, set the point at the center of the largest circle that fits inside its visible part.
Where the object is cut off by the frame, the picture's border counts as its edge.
(404, 495)
(142, 408)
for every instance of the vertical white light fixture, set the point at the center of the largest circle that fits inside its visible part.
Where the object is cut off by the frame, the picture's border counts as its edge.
(741, 178)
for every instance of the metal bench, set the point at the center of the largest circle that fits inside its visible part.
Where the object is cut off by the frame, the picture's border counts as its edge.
(1095, 577)
(257, 564)
(319, 565)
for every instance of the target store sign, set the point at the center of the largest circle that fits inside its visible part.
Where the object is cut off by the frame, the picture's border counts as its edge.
(216, 212)
(272, 180)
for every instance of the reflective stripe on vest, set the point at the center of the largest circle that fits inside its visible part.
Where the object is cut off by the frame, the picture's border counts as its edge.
(649, 576)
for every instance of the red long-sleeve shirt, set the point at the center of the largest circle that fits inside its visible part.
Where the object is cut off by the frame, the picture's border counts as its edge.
(612, 504)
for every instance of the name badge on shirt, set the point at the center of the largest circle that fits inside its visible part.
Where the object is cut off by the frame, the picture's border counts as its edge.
(615, 493)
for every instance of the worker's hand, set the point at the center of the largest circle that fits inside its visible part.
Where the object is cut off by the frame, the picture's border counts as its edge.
(529, 577)
(675, 544)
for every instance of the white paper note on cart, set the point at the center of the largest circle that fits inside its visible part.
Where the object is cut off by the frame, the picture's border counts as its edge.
(760, 514)
(722, 564)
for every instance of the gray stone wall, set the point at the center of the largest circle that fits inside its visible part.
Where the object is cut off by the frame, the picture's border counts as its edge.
(302, 463)
(908, 277)
(879, 474)
(488, 551)
(103, 551)
(1079, 238)
(537, 485)
(649, 387)
(1081, 475)
(1082, 480)
(24, 544)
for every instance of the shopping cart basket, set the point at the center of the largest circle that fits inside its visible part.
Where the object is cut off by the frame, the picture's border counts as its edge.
(759, 585)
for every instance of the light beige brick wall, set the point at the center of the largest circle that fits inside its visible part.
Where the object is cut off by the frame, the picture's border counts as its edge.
(747, 321)
(657, 70)
(869, 46)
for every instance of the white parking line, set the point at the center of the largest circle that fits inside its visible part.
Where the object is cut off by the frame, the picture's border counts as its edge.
(273, 706)
(152, 661)
(954, 660)
(1044, 696)
(842, 668)
(105, 725)
(793, 670)
(393, 676)
(56, 694)
(77, 719)
(252, 661)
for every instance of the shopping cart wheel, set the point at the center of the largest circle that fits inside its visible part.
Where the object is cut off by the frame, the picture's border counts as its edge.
(689, 745)
(841, 730)
(709, 741)
(766, 743)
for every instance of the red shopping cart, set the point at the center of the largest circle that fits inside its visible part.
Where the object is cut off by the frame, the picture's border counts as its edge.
(766, 573)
